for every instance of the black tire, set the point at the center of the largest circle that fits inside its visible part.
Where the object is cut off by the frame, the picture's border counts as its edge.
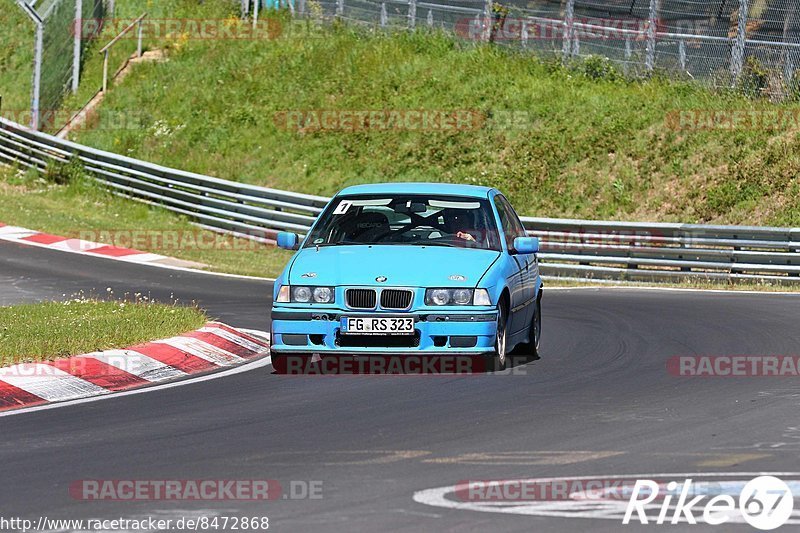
(499, 359)
(530, 349)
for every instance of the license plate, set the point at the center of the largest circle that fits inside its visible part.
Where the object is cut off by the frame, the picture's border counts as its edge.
(378, 325)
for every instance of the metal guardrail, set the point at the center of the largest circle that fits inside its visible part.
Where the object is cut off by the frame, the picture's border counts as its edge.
(580, 249)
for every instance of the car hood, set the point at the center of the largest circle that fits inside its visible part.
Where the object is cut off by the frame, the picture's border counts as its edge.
(409, 266)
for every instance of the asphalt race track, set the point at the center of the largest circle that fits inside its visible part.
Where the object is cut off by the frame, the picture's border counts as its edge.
(599, 402)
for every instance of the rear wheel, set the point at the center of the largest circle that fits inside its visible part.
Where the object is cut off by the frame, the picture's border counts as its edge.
(531, 348)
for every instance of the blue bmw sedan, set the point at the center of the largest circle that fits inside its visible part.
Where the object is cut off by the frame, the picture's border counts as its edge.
(410, 268)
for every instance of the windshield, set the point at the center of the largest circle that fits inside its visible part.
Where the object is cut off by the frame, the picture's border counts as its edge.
(422, 220)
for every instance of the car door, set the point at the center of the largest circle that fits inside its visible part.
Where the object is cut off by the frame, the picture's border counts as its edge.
(528, 263)
(516, 288)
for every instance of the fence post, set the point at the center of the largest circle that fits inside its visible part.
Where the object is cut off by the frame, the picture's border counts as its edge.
(682, 53)
(412, 13)
(37, 75)
(488, 20)
(788, 69)
(576, 44)
(384, 16)
(38, 45)
(524, 34)
(737, 51)
(301, 7)
(105, 71)
(256, 6)
(139, 39)
(339, 8)
(76, 48)
(652, 21)
(569, 24)
(430, 19)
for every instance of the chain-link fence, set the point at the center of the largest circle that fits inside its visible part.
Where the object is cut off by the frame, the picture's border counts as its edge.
(753, 45)
(59, 46)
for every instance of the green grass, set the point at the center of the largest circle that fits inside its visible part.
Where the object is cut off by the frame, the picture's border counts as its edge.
(16, 57)
(69, 210)
(49, 330)
(17, 40)
(129, 10)
(590, 148)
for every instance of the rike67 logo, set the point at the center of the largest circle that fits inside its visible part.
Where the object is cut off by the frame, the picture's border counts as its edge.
(765, 502)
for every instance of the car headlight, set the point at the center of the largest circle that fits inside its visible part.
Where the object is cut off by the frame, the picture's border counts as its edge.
(437, 297)
(323, 295)
(304, 294)
(301, 294)
(457, 297)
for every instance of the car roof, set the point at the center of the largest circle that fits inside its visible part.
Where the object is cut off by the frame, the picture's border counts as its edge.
(451, 189)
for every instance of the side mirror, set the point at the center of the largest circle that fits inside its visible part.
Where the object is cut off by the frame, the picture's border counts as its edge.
(526, 245)
(287, 241)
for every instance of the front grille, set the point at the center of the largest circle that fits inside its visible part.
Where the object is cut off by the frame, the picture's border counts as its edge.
(361, 298)
(396, 298)
(378, 341)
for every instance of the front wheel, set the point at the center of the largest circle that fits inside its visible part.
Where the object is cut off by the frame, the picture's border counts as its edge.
(499, 358)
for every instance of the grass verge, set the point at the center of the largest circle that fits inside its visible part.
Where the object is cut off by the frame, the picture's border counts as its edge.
(70, 210)
(49, 330)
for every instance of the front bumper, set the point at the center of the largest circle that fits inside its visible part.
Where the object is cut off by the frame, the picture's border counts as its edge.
(462, 332)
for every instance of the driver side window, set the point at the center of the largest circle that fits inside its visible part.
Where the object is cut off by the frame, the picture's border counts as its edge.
(512, 226)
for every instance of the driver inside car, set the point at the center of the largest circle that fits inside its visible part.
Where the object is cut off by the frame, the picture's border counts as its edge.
(457, 222)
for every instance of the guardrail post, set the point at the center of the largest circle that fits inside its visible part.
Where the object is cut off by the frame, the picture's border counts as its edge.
(652, 22)
(412, 14)
(737, 51)
(76, 48)
(569, 28)
(384, 16)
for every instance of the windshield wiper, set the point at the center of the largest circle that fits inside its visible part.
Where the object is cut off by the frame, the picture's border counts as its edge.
(445, 244)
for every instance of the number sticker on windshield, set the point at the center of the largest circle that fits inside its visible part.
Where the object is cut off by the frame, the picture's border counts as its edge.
(342, 208)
